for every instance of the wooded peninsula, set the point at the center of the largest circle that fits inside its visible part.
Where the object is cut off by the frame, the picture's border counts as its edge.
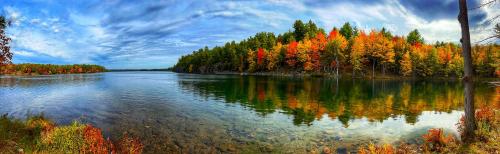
(48, 69)
(345, 51)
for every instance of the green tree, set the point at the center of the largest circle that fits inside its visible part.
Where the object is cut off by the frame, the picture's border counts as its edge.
(432, 63)
(414, 37)
(299, 30)
(347, 31)
(387, 34)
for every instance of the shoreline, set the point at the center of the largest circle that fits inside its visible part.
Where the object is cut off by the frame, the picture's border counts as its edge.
(491, 80)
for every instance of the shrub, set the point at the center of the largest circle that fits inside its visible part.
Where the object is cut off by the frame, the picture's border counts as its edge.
(94, 141)
(374, 149)
(64, 139)
(436, 140)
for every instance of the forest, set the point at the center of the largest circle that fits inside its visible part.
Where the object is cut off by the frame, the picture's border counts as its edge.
(345, 51)
(48, 69)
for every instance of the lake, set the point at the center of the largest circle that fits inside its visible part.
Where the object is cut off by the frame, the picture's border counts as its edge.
(173, 112)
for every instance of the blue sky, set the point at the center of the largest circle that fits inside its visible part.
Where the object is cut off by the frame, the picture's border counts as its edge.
(154, 34)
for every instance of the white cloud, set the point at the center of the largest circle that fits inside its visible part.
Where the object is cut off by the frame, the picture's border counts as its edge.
(292, 4)
(41, 44)
(14, 15)
(83, 20)
(400, 21)
(482, 32)
(35, 21)
(23, 53)
(97, 31)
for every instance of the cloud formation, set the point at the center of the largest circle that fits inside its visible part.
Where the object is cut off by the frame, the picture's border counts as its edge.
(145, 34)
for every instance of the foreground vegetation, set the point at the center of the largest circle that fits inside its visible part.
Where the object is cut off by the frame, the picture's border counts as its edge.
(436, 141)
(39, 135)
(47, 69)
(348, 50)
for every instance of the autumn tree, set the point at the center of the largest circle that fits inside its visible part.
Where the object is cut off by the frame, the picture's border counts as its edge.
(378, 45)
(308, 48)
(386, 47)
(406, 65)
(318, 45)
(273, 56)
(358, 53)
(335, 49)
(260, 56)
(303, 54)
(252, 65)
(291, 54)
(432, 62)
(5, 54)
(400, 48)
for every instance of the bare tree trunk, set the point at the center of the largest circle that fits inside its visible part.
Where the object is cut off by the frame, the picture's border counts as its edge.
(337, 66)
(470, 121)
(373, 69)
(383, 70)
(353, 73)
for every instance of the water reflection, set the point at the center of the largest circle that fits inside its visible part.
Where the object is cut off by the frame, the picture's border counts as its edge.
(43, 80)
(176, 113)
(309, 99)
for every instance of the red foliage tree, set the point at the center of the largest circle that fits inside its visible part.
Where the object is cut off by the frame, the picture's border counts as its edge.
(260, 56)
(291, 54)
(333, 34)
(321, 41)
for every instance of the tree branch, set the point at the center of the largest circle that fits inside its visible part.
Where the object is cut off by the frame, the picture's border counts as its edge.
(490, 37)
(484, 4)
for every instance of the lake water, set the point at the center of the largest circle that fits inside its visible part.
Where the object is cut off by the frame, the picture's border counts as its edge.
(173, 112)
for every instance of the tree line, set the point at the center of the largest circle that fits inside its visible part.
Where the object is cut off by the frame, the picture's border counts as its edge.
(344, 51)
(48, 69)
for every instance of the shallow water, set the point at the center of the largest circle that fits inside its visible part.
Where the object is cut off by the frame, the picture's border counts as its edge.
(200, 113)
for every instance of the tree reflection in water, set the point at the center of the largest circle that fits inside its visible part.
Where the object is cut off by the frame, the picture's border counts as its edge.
(309, 99)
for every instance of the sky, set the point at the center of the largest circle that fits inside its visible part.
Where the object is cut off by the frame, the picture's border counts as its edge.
(126, 34)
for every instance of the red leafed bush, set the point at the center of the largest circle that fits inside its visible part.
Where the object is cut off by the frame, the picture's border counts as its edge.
(485, 114)
(436, 140)
(94, 141)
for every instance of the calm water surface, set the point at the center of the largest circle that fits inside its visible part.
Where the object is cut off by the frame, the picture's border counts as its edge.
(201, 113)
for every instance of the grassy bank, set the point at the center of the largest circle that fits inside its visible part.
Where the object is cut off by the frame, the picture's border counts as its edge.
(40, 135)
(48, 69)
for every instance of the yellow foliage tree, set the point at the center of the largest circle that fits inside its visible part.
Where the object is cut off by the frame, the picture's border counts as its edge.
(406, 64)
(304, 48)
(272, 56)
(251, 60)
(358, 53)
